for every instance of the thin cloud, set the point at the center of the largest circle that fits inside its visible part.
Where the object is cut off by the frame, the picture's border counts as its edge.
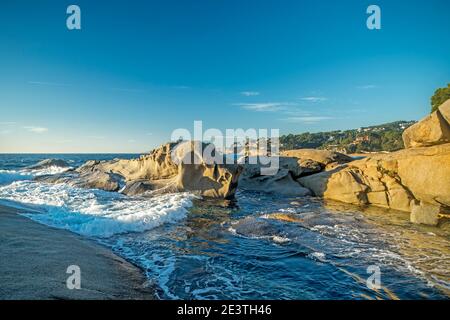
(367, 87)
(45, 83)
(7, 123)
(250, 93)
(309, 119)
(34, 129)
(264, 107)
(314, 99)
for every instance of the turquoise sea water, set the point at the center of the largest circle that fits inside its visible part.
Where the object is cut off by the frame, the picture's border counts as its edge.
(258, 246)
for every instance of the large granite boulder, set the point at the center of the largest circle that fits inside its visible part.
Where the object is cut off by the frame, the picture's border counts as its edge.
(165, 169)
(431, 130)
(158, 164)
(389, 180)
(281, 182)
(317, 160)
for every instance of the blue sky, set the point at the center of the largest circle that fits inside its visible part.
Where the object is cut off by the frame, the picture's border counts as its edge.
(140, 69)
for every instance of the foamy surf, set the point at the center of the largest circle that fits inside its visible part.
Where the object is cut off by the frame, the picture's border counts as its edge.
(95, 212)
(8, 176)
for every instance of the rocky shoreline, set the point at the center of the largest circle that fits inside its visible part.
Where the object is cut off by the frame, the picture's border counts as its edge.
(415, 179)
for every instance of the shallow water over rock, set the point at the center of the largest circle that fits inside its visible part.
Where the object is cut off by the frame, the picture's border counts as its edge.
(267, 247)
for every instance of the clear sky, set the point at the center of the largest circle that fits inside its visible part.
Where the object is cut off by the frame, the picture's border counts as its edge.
(137, 70)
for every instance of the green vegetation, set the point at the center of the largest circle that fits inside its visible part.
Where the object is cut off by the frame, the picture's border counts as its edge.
(440, 96)
(384, 137)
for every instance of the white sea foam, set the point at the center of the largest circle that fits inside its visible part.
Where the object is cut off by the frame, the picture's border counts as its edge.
(94, 212)
(8, 176)
(320, 256)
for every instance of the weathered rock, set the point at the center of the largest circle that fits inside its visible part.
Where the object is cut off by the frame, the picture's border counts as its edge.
(154, 166)
(282, 182)
(49, 163)
(431, 130)
(215, 181)
(292, 165)
(389, 180)
(425, 214)
(444, 109)
(99, 180)
(316, 160)
(95, 179)
(167, 169)
(149, 187)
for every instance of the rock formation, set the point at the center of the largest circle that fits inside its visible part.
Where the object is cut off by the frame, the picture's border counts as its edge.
(47, 163)
(412, 179)
(389, 180)
(158, 172)
(293, 164)
(317, 160)
(432, 130)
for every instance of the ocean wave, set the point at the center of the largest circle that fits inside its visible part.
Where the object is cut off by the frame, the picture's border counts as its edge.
(8, 176)
(95, 212)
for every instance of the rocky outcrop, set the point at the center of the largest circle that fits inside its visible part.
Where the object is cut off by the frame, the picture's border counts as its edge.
(432, 130)
(95, 179)
(158, 164)
(282, 183)
(47, 163)
(390, 180)
(164, 170)
(317, 160)
(416, 179)
(292, 165)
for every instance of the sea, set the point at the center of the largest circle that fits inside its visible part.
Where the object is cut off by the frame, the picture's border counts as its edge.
(257, 246)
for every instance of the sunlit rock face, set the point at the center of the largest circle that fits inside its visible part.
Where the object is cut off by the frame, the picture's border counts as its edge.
(431, 130)
(390, 180)
(163, 170)
(414, 178)
(292, 165)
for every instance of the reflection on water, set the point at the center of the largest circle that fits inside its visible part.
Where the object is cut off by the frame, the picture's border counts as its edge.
(268, 247)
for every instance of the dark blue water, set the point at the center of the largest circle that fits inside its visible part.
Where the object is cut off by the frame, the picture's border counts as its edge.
(258, 246)
(10, 161)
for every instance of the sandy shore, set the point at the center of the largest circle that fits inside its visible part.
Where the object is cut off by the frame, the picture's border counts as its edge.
(34, 259)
